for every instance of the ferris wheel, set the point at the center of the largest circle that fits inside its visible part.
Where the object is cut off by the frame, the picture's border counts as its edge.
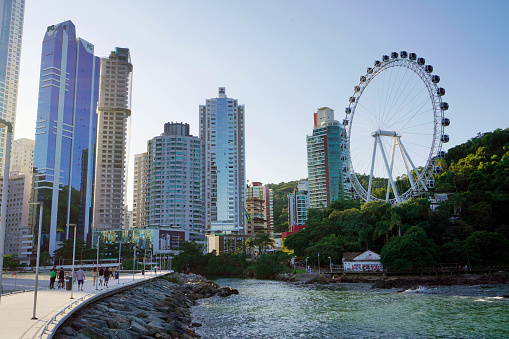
(394, 130)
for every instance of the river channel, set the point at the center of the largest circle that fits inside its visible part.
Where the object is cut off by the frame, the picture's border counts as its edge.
(272, 309)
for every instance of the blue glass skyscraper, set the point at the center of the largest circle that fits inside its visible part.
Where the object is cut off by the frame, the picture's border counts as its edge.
(65, 133)
(222, 132)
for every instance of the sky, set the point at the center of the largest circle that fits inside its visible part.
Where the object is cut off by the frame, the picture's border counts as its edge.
(281, 59)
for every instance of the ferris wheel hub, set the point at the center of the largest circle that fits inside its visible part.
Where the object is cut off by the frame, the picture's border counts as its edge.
(385, 134)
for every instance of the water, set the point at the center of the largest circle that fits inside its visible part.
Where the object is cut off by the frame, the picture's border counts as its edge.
(271, 309)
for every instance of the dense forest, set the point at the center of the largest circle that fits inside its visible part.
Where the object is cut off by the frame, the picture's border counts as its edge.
(470, 228)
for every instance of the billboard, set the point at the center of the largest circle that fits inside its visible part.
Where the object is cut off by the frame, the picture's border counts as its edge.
(170, 240)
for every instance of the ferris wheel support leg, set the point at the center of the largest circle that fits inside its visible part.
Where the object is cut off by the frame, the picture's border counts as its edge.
(419, 178)
(396, 195)
(409, 173)
(392, 166)
(371, 173)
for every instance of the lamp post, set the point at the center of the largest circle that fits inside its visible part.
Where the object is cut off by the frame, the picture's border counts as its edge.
(307, 264)
(318, 263)
(119, 257)
(73, 256)
(5, 192)
(134, 258)
(97, 280)
(330, 265)
(144, 260)
(38, 253)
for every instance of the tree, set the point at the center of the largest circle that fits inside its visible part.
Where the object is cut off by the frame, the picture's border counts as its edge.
(487, 248)
(45, 259)
(190, 257)
(412, 250)
(11, 261)
(263, 240)
(268, 265)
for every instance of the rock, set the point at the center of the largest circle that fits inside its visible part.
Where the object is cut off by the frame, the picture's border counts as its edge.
(125, 334)
(67, 330)
(154, 328)
(137, 327)
(196, 324)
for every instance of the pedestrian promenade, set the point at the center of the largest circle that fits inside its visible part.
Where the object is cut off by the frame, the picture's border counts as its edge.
(16, 310)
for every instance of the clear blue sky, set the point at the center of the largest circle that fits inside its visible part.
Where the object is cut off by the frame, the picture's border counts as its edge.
(282, 60)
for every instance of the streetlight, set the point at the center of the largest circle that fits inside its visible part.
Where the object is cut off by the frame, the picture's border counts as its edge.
(73, 256)
(330, 264)
(119, 266)
(307, 269)
(97, 280)
(134, 258)
(318, 263)
(38, 252)
(5, 192)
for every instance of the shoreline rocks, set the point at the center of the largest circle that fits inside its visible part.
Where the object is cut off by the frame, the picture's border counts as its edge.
(158, 309)
(380, 282)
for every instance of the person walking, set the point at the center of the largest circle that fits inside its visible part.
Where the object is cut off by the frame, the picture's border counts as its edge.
(101, 275)
(81, 278)
(94, 275)
(52, 277)
(61, 278)
(106, 276)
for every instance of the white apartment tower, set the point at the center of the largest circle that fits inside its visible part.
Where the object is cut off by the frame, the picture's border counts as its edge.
(222, 132)
(11, 31)
(114, 111)
(175, 181)
(298, 204)
(140, 189)
(20, 185)
(22, 156)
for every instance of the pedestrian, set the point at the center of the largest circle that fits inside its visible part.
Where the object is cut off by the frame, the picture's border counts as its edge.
(106, 276)
(61, 278)
(101, 275)
(81, 278)
(94, 274)
(52, 277)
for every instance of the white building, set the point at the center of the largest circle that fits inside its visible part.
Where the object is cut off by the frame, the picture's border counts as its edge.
(11, 24)
(17, 215)
(175, 181)
(367, 261)
(222, 132)
(114, 111)
(140, 189)
(298, 204)
(22, 155)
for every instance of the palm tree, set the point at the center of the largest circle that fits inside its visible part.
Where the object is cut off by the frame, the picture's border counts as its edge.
(382, 228)
(263, 240)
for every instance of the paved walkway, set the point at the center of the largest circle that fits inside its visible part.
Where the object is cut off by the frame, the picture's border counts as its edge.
(16, 310)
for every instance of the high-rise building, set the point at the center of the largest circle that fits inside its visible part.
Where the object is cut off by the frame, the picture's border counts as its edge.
(140, 189)
(222, 132)
(20, 185)
(175, 181)
(259, 191)
(65, 134)
(22, 155)
(325, 167)
(298, 204)
(114, 111)
(11, 31)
